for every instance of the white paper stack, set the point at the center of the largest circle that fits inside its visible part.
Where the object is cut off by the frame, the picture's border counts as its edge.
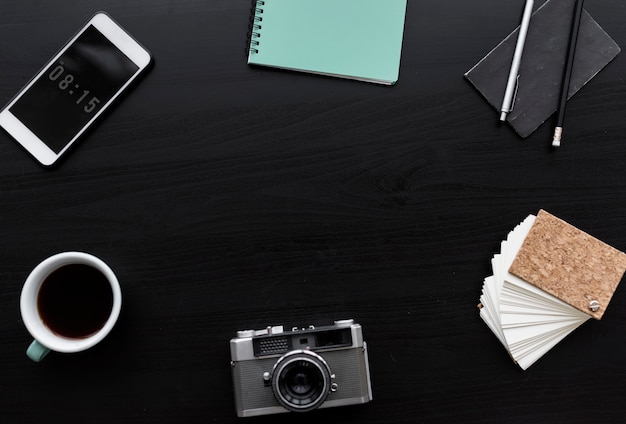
(527, 320)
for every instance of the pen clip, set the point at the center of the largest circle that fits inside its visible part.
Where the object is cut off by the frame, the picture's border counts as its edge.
(514, 94)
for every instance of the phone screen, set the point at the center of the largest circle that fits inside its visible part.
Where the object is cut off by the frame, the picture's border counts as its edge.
(73, 89)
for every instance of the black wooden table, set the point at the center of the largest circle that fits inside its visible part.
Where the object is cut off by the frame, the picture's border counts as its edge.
(227, 197)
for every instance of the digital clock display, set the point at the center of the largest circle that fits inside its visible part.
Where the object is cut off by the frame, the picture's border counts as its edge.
(71, 91)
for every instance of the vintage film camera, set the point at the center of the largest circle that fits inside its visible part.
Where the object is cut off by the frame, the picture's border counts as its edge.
(299, 370)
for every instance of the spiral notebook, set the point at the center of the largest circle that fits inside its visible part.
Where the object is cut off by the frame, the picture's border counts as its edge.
(548, 279)
(355, 39)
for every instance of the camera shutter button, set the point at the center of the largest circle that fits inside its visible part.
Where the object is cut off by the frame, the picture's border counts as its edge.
(243, 334)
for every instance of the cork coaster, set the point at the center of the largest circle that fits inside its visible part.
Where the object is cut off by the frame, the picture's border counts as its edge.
(569, 264)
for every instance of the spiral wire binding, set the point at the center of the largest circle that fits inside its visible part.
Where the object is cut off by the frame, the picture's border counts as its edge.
(254, 28)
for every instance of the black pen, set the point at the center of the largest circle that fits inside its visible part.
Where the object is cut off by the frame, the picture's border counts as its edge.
(567, 73)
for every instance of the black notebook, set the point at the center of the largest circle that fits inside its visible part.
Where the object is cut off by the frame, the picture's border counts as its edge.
(542, 64)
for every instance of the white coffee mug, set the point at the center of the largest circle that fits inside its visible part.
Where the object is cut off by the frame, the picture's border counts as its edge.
(45, 338)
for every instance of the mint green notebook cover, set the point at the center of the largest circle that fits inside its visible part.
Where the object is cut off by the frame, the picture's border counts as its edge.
(356, 39)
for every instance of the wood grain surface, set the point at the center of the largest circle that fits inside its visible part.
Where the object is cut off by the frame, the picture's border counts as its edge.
(227, 197)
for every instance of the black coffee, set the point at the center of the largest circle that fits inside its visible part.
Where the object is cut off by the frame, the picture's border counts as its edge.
(75, 301)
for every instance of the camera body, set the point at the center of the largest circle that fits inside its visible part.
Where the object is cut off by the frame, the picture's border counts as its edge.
(300, 370)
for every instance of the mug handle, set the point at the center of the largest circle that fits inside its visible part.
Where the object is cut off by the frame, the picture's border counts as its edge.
(36, 351)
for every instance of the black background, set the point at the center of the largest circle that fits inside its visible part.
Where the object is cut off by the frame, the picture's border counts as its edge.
(227, 197)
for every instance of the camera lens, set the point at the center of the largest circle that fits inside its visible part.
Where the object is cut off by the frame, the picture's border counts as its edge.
(301, 380)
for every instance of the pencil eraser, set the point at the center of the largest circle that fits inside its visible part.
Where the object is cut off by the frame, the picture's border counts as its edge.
(556, 138)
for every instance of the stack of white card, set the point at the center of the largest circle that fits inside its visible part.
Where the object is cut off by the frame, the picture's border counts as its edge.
(527, 320)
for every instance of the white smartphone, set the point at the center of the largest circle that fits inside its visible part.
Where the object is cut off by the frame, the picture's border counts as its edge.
(74, 88)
